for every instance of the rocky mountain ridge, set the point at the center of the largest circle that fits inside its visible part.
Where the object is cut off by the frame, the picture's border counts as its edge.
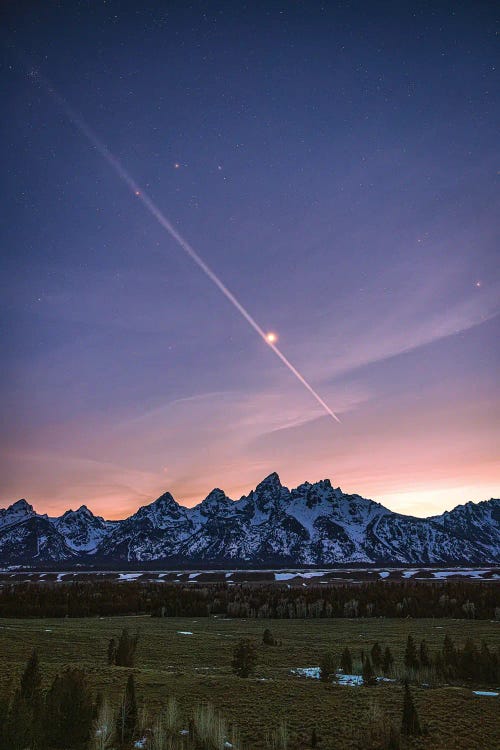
(311, 525)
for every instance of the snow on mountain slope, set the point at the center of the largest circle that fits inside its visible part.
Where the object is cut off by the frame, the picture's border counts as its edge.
(15, 513)
(476, 522)
(313, 524)
(33, 540)
(82, 530)
(154, 532)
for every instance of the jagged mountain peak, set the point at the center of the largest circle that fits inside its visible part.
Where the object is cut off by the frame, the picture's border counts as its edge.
(272, 481)
(81, 512)
(215, 498)
(21, 505)
(160, 512)
(15, 513)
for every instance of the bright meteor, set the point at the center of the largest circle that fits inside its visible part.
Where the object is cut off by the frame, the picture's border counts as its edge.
(269, 338)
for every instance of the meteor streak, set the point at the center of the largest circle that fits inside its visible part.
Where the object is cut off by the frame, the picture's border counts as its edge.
(269, 338)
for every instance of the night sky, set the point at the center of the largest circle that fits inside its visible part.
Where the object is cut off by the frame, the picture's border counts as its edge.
(335, 164)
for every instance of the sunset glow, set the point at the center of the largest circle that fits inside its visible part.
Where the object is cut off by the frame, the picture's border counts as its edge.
(325, 195)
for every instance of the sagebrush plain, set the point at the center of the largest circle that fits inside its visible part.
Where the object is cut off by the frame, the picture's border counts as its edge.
(190, 658)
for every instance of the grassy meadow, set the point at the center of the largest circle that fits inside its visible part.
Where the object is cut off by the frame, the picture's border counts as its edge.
(197, 668)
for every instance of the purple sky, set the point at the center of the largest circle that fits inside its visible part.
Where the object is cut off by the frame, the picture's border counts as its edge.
(336, 165)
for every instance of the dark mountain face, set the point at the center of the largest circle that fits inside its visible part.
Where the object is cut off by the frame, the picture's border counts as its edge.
(313, 524)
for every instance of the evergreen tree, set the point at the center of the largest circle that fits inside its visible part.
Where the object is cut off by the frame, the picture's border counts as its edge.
(31, 681)
(112, 652)
(346, 661)
(410, 724)
(425, 659)
(488, 665)
(449, 653)
(314, 738)
(244, 658)
(18, 725)
(23, 725)
(469, 660)
(327, 667)
(411, 658)
(387, 661)
(125, 651)
(126, 723)
(369, 677)
(268, 638)
(376, 654)
(69, 711)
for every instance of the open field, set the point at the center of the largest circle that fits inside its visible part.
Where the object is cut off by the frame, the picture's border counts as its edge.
(197, 667)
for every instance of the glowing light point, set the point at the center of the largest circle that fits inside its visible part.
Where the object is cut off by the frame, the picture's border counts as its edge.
(137, 192)
(271, 337)
(478, 284)
(176, 165)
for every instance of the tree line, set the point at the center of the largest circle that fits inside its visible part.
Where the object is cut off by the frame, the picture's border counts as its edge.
(456, 599)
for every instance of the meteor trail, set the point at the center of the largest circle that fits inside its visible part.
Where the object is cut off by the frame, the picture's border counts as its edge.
(153, 209)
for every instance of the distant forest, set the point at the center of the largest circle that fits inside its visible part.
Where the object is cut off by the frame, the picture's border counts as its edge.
(456, 599)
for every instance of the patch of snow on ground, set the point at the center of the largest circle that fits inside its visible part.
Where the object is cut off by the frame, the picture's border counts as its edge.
(184, 632)
(489, 693)
(354, 680)
(349, 679)
(408, 573)
(384, 573)
(465, 572)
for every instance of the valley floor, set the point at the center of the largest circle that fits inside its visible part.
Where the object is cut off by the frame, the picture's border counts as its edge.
(190, 658)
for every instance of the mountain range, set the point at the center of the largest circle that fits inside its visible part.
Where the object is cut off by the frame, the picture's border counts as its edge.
(311, 525)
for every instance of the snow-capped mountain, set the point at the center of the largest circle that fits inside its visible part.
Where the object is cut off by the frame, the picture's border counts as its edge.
(313, 524)
(82, 531)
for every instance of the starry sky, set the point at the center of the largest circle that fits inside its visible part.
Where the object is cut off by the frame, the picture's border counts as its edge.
(336, 164)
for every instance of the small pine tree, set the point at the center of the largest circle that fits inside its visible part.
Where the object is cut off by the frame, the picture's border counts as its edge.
(314, 738)
(326, 667)
(126, 722)
(411, 658)
(268, 639)
(425, 659)
(387, 661)
(368, 673)
(23, 725)
(376, 654)
(69, 711)
(244, 658)
(449, 652)
(469, 661)
(125, 651)
(346, 661)
(112, 652)
(31, 681)
(410, 724)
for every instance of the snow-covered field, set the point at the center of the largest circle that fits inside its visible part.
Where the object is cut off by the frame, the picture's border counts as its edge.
(290, 576)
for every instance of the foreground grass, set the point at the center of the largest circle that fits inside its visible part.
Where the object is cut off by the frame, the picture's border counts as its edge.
(197, 667)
